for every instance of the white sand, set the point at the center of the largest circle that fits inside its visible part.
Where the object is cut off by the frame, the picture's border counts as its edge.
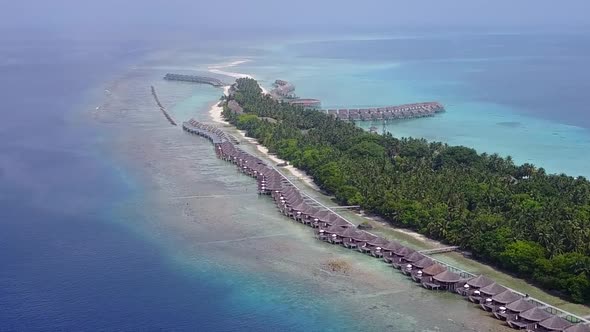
(219, 69)
(215, 111)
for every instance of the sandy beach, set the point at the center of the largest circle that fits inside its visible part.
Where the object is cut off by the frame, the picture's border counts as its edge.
(220, 69)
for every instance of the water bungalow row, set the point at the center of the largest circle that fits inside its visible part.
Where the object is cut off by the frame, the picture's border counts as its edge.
(162, 108)
(515, 309)
(406, 111)
(307, 103)
(195, 79)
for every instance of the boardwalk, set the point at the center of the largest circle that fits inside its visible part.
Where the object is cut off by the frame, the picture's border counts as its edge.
(438, 250)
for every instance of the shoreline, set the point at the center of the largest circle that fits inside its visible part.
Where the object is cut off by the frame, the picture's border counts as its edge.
(417, 239)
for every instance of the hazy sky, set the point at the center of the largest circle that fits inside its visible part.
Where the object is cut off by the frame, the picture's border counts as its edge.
(294, 13)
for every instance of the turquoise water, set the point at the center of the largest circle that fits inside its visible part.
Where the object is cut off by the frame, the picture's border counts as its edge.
(517, 95)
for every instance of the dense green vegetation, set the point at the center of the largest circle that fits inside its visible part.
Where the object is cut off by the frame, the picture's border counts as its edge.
(519, 218)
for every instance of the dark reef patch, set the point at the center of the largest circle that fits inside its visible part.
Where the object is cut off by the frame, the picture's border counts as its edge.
(511, 124)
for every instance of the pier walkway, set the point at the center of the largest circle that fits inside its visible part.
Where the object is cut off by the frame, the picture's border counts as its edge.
(438, 250)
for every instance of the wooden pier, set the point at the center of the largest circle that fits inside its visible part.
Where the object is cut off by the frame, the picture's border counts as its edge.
(407, 111)
(195, 79)
(438, 250)
(334, 229)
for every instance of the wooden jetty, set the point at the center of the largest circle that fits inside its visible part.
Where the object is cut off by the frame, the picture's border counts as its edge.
(195, 79)
(438, 250)
(430, 273)
(407, 111)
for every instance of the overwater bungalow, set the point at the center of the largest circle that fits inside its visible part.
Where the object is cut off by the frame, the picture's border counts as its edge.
(334, 239)
(322, 214)
(399, 254)
(308, 215)
(426, 274)
(486, 292)
(354, 114)
(474, 284)
(578, 328)
(512, 309)
(362, 238)
(444, 280)
(306, 103)
(334, 219)
(388, 250)
(347, 236)
(499, 300)
(365, 114)
(528, 319)
(377, 114)
(413, 257)
(417, 266)
(376, 246)
(296, 211)
(322, 235)
(292, 198)
(554, 323)
(332, 230)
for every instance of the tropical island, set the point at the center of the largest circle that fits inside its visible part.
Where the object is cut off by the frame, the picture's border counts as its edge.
(516, 217)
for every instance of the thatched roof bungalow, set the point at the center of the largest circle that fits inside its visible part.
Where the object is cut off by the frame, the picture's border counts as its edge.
(423, 263)
(512, 309)
(474, 284)
(399, 254)
(446, 280)
(427, 273)
(499, 300)
(528, 319)
(554, 323)
(486, 292)
(578, 328)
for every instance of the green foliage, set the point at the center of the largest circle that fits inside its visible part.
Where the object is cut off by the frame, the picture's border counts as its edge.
(516, 217)
(522, 256)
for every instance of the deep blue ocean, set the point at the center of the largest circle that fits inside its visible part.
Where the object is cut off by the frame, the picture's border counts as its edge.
(67, 261)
